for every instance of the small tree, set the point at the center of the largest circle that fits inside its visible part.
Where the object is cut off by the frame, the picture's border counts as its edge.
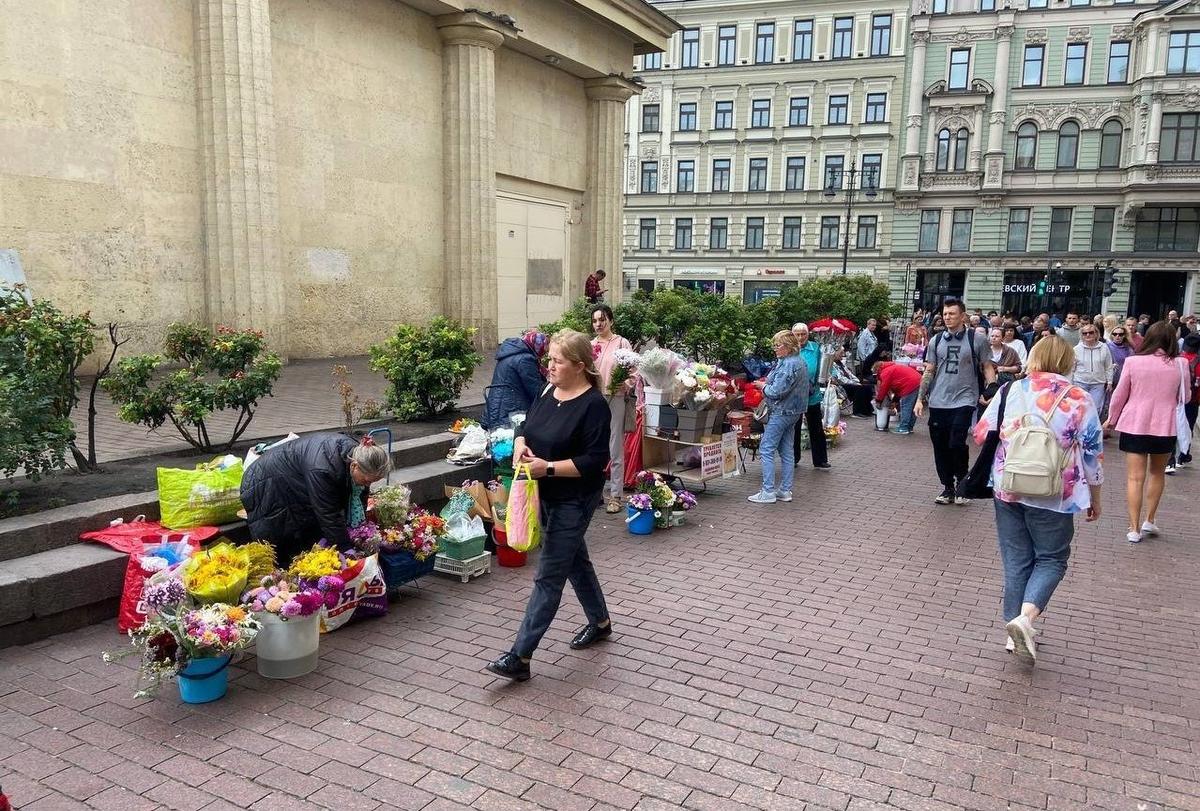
(426, 367)
(354, 410)
(855, 297)
(87, 462)
(41, 349)
(231, 370)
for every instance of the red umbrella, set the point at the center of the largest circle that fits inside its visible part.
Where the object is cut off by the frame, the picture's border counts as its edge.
(834, 325)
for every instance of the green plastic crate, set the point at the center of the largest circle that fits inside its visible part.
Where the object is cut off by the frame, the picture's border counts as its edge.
(461, 550)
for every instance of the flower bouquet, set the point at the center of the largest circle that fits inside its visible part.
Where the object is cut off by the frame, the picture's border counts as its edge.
(217, 574)
(685, 501)
(639, 514)
(366, 537)
(662, 497)
(408, 550)
(625, 365)
(658, 366)
(498, 496)
(391, 504)
(289, 641)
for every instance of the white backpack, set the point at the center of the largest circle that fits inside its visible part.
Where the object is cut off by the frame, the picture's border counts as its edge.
(1034, 461)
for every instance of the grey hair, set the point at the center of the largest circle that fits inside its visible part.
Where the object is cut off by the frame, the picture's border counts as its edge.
(799, 325)
(372, 460)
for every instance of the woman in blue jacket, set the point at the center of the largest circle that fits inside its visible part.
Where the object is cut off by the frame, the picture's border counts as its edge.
(518, 379)
(786, 393)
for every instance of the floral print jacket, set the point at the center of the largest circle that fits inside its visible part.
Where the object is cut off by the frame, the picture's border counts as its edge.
(1076, 424)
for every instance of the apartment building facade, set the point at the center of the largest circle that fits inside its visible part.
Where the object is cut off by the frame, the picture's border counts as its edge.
(1044, 138)
(757, 127)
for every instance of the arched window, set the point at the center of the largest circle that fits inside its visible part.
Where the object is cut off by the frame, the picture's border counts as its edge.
(961, 140)
(1068, 145)
(1027, 135)
(943, 151)
(1110, 144)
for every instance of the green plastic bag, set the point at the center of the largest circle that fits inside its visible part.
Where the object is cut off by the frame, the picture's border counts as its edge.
(206, 496)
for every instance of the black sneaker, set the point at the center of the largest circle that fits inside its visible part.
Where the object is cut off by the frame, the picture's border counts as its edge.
(590, 634)
(510, 666)
(947, 497)
(825, 466)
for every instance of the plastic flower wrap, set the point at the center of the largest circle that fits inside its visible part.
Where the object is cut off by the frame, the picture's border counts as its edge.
(501, 440)
(698, 384)
(912, 350)
(217, 574)
(276, 594)
(262, 560)
(366, 538)
(658, 366)
(391, 504)
(685, 500)
(641, 502)
(625, 365)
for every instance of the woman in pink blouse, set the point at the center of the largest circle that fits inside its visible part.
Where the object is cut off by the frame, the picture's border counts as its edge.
(605, 346)
(1143, 410)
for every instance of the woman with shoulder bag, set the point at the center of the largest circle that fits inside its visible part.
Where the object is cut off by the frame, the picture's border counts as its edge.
(605, 347)
(785, 397)
(564, 440)
(1038, 492)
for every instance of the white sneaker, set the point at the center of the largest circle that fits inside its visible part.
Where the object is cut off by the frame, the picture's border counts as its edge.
(1020, 631)
(1149, 529)
(1009, 645)
(1170, 470)
(762, 498)
(960, 500)
(784, 495)
(1133, 537)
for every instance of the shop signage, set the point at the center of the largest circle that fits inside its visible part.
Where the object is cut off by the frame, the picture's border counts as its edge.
(1040, 288)
(771, 271)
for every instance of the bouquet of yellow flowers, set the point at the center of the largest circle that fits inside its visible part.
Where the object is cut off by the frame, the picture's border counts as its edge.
(318, 562)
(217, 574)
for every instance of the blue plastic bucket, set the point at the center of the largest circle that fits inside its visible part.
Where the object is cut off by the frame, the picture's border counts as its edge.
(640, 522)
(204, 680)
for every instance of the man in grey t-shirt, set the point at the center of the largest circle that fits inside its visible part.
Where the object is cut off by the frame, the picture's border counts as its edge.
(954, 363)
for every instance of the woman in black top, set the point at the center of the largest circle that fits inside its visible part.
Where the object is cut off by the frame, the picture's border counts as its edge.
(565, 442)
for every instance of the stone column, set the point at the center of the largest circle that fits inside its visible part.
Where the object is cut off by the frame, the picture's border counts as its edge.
(994, 156)
(469, 48)
(603, 201)
(244, 284)
(911, 160)
(1155, 134)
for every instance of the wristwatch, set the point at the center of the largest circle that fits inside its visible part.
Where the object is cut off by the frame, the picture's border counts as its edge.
(550, 469)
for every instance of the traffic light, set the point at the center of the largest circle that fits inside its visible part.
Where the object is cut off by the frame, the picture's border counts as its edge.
(1110, 280)
(1042, 287)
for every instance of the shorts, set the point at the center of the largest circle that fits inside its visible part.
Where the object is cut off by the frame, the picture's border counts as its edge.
(1144, 443)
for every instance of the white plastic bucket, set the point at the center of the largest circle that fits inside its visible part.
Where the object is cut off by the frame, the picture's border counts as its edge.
(289, 648)
(883, 415)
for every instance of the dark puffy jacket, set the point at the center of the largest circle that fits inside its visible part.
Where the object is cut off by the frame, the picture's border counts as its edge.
(516, 383)
(300, 492)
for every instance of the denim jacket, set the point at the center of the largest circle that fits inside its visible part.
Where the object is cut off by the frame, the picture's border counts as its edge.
(787, 387)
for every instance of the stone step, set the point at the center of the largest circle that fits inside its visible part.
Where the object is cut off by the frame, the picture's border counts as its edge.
(60, 583)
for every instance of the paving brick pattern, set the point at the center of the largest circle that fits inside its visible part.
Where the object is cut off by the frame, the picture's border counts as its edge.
(843, 651)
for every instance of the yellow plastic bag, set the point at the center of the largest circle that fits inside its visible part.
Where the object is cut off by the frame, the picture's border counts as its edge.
(206, 496)
(522, 523)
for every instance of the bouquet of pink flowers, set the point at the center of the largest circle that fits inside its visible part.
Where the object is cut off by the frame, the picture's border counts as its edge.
(366, 538)
(275, 594)
(641, 502)
(684, 501)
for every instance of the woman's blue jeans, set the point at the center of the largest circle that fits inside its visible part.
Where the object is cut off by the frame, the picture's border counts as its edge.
(778, 439)
(1034, 547)
(564, 557)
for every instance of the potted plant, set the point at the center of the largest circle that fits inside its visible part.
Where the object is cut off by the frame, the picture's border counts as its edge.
(289, 612)
(639, 514)
(684, 502)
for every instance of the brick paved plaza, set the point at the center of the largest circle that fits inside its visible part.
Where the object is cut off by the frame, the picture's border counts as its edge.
(842, 651)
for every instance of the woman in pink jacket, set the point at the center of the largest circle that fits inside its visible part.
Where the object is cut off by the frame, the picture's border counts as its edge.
(1143, 410)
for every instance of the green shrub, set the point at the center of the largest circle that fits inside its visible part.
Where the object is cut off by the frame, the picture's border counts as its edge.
(577, 317)
(854, 297)
(426, 367)
(40, 350)
(229, 370)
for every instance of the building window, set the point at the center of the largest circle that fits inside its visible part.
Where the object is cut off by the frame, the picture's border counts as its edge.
(881, 35)
(1081, 2)
(802, 41)
(794, 179)
(942, 163)
(1118, 62)
(720, 176)
(940, 6)
(650, 118)
(760, 113)
(723, 115)
(876, 112)
(690, 55)
(1018, 229)
(962, 141)
(960, 68)
(834, 164)
(718, 234)
(830, 226)
(1060, 229)
(683, 234)
(839, 110)
(1068, 145)
(798, 112)
(1076, 64)
(687, 116)
(868, 227)
(960, 230)
(1110, 144)
(931, 224)
(757, 180)
(1183, 52)
(1180, 140)
(1103, 220)
(872, 170)
(1026, 146)
(843, 37)
(1031, 69)
(1167, 229)
(1037, 3)
(987, 5)
(764, 43)
(647, 234)
(649, 177)
(791, 233)
(685, 176)
(754, 233)
(727, 45)
(652, 61)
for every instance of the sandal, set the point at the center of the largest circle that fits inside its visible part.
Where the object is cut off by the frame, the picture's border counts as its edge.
(613, 507)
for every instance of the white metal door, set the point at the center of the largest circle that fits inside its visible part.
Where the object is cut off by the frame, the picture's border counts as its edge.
(531, 254)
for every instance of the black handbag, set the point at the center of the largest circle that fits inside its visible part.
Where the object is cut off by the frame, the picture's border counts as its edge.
(976, 484)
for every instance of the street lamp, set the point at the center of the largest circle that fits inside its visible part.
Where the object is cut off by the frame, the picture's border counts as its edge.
(870, 186)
